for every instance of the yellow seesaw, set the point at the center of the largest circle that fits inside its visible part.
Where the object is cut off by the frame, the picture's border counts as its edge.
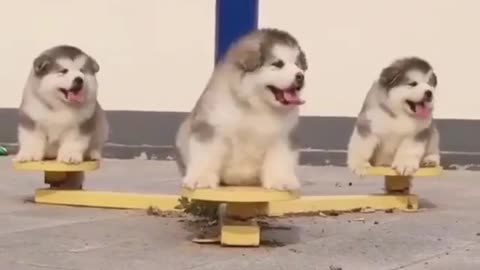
(64, 190)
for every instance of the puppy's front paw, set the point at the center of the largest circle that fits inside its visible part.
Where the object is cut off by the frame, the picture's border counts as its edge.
(70, 157)
(202, 181)
(431, 160)
(288, 183)
(26, 156)
(359, 167)
(406, 166)
(95, 155)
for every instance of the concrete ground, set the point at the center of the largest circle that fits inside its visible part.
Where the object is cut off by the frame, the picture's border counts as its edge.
(445, 234)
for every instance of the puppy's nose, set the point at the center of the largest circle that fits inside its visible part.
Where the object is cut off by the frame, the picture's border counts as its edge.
(78, 82)
(428, 95)
(299, 78)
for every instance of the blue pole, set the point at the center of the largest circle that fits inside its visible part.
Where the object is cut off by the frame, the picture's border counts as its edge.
(234, 18)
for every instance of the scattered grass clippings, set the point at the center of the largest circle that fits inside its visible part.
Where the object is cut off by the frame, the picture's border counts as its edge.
(155, 211)
(202, 209)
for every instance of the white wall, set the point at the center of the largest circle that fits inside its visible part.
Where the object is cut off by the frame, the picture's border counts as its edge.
(349, 41)
(157, 54)
(153, 54)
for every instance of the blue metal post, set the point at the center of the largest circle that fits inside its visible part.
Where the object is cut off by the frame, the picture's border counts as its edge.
(234, 18)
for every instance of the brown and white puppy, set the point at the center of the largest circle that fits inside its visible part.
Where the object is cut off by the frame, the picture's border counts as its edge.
(395, 126)
(59, 116)
(240, 131)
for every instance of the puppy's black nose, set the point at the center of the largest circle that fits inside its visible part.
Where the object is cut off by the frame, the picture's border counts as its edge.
(299, 78)
(78, 82)
(428, 95)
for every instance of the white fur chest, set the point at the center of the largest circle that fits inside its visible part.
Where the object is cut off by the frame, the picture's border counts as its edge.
(248, 135)
(391, 132)
(55, 123)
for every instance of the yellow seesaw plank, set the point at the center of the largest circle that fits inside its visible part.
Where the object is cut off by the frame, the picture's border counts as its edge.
(164, 202)
(308, 204)
(54, 166)
(239, 194)
(388, 171)
(104, 199)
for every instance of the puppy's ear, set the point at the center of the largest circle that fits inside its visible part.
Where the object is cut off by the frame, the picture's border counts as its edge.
(42, 65)
(249, 59)
(390, 76)
(93, 65)
(433, 80)
(302, 60)
(247, 55)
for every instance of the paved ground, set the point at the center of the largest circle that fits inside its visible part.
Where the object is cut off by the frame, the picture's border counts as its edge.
(444, 235)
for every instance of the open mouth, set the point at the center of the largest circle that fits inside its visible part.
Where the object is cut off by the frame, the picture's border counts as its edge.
(421, 109)
(74, 94)
(288, 96)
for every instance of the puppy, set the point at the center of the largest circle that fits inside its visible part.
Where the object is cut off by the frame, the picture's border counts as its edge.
(395, 126)
(240, 132)
(59, 116)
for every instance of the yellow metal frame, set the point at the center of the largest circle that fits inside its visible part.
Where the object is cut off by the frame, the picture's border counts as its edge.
(240, 200)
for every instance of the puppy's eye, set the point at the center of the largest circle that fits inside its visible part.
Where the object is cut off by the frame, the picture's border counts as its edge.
(413, 84)
(278, 64)
(82, 70)
(63, 71)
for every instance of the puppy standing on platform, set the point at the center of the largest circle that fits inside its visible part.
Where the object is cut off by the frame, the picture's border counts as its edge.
(395, 126)
(240, 131)
(59, 116)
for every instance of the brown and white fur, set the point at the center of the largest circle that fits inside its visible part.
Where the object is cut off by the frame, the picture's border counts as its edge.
(59, 116)
(395, 126)
(240, 132)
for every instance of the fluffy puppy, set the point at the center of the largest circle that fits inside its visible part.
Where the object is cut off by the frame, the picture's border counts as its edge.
(240, 132)
(59, 116)
(395, 126)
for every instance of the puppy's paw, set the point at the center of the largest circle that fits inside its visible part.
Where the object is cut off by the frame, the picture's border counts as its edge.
(406, 166)
(277, 182)
(359, 168)
(431, 160)
(95, 155)
(70, 157)
(26, 156)
(203, 181)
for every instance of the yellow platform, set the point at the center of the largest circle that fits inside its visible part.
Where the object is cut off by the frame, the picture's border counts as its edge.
(60, 175)
(54, 166)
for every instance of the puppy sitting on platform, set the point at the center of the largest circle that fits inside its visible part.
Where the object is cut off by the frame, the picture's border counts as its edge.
(240, 131)
(59, 116)
(395, 126)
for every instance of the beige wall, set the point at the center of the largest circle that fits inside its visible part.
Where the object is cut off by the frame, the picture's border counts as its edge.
(157, 54)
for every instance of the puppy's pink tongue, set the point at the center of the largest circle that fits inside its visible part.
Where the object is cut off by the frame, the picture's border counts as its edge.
(292, 97)
(423, 111)
(75, 97)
